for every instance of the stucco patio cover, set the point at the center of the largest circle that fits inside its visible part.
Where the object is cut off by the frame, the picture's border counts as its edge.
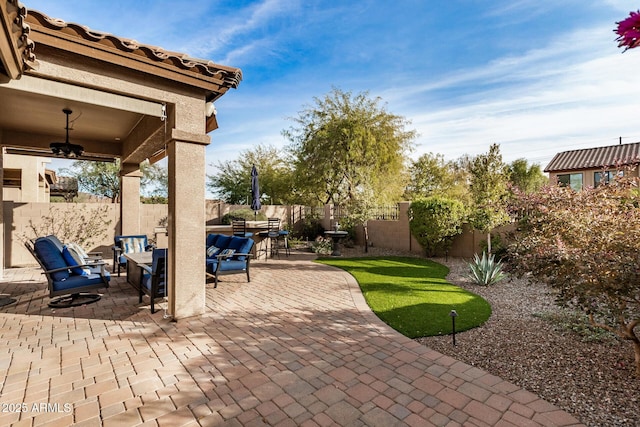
(130, 101)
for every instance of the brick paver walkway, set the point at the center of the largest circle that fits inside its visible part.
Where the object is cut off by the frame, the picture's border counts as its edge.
(295, 347)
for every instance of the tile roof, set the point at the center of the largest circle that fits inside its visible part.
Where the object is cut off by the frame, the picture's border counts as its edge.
(599, 157)
(15, 28)
(230, 76)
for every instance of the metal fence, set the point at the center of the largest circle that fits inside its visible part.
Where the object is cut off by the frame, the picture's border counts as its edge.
(381, 213)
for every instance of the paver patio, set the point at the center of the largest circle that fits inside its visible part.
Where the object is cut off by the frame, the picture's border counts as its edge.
(297, 346)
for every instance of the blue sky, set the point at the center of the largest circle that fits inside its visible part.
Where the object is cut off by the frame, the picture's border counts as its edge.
(535, 76)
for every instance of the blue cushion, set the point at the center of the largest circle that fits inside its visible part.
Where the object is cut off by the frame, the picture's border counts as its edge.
(232, 265)
(146, 282)
(56, 241)
(51, 258)
(223, 241)
(75, 282)
(211, 239)
(73, 260)
(241, 245)
(236, 243)
(226, 265)
(211, 265)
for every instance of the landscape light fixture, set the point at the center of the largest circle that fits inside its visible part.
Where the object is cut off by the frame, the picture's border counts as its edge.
(65, 148)
(453, 315)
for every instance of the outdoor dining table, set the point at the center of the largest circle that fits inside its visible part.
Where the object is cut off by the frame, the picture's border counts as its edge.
(134, 260)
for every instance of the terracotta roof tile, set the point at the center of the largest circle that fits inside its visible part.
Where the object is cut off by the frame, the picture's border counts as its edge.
(17, 13)
(599, 157)
(230, 76)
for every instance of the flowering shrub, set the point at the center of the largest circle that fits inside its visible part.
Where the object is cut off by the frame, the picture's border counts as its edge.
(628, 31)
(586, 245)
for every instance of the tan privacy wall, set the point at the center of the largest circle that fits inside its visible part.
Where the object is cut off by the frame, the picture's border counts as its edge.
(19, 218)
(22, 218)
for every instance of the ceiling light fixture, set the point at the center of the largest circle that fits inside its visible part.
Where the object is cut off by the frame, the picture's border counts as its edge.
(65, 148)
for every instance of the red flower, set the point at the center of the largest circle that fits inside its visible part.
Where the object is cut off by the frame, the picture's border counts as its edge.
(628, 31)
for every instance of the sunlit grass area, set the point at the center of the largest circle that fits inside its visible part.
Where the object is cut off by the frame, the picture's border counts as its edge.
(412, 296)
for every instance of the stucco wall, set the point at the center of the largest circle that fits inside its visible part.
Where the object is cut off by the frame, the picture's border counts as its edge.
(19, 216)
(392, 234)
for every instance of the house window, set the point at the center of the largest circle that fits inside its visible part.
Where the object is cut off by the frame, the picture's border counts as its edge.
(604, 177)
(12, 178)
(573, 180)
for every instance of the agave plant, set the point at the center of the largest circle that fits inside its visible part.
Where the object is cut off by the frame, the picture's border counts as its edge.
(485, 271)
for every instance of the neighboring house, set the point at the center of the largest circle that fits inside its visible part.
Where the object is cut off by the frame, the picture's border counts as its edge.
(65, 187)
(26, 179)
(590, 167)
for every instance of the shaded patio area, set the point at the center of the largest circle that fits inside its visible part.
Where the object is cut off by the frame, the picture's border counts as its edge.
(295, 347)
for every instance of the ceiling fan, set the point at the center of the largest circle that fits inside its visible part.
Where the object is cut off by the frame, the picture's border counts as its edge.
(65, 148)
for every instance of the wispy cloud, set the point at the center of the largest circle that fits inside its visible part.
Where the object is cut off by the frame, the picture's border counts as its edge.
(577, 91)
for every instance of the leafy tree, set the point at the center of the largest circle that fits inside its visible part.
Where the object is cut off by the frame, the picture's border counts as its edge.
(103, 179)
(431, 175)
(586, 245)
(346, 146)
(527, 178)
(434, 221)
(233, 182)
(98, 178)
(361, 211)
(154, 183)
(488, 185)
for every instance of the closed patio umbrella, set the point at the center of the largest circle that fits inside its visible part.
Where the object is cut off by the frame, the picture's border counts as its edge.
(255, 191)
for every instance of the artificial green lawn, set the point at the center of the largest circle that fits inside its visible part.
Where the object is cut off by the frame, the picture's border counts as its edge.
(412, 296)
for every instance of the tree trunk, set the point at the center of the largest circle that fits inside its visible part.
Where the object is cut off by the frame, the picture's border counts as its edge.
(366, 238)
(488, 243)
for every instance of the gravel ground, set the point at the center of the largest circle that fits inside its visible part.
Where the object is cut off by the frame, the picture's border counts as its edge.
(588, 374)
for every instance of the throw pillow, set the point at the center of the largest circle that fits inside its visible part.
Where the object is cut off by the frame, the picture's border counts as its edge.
(133, 245)
(212, 251)
(226, 253)
(79, 250)
(73, 260)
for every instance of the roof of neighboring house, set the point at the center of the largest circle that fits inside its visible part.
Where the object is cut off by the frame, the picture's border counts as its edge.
(599, 157)
(65, 183)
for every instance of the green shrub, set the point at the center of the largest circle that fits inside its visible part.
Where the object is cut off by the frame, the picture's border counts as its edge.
(485, 271)
(499, 246)
(322, 246)
(247, 214)
(434, 221)
(311, 228)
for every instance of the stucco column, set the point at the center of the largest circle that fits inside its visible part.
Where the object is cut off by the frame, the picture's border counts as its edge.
(2, 236)
(186, 167)
(130, 199)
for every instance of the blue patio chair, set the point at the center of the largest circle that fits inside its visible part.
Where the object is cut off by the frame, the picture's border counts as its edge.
(68, 279)
(227, 255)
(153, 278)
(126, 245)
